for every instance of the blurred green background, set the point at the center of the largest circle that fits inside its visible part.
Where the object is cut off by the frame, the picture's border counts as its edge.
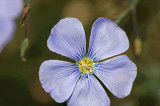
(19, 84)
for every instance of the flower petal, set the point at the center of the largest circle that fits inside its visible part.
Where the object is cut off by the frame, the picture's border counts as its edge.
(11, 8)
(59, 78)
(7, 28)
(117, 74)
(68, 39)
(88, 92)
(107, 39)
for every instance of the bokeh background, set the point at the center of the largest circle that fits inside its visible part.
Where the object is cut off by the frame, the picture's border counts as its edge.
(19, 81)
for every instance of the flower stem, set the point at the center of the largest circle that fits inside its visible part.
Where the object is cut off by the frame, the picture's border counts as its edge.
(25, 42)
(132, 5)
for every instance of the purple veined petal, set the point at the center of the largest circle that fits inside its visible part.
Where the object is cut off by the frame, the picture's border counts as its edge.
(7, 28)
(68, 39)
(88, 92)
(59, 78)
(11, 8)
(107, 39)
(117, 74)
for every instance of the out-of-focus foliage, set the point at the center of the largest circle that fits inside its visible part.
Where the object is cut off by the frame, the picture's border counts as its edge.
(19, 80)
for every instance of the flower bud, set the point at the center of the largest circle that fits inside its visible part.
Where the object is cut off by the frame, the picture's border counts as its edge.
(137, 46)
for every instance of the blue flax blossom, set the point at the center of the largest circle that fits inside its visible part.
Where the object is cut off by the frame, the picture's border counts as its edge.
(9, 11)
(76, 82)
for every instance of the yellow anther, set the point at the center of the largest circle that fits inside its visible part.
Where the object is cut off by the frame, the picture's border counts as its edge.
(86, 65)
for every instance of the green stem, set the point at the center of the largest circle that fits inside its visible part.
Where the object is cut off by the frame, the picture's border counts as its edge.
(132, 5)
(25, 42)
(135, 22)
(123, 15)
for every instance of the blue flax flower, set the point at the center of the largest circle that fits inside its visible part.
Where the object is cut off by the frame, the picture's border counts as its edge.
(76, 82)
(9, 11)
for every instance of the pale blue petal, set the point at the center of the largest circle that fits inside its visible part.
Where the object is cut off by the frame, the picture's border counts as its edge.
(59, 78)
(68, 39)
(7, 28)
(89, 92)
(117, 74)
(11, 8)
(107, 39)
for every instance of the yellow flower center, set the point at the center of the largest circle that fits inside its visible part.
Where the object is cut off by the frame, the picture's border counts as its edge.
(86, 65)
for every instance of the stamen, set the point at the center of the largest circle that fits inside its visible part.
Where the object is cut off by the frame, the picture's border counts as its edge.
(86, 65)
